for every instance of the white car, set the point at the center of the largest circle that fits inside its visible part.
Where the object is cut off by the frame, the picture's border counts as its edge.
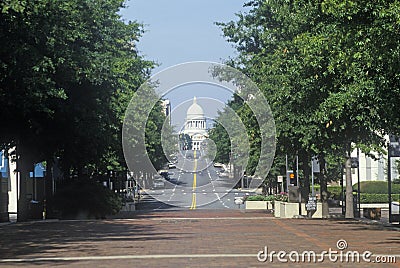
(171, 165)
(223, 174)
(218, 165)
(158, 183)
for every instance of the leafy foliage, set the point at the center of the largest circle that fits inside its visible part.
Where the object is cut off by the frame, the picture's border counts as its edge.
(185, 141)
(86, 199)
(377, 198)
(223, 144)
(376, 187)
(68, 69)
(329, 69)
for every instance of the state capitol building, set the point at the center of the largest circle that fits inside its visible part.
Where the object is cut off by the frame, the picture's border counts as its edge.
(195, 125)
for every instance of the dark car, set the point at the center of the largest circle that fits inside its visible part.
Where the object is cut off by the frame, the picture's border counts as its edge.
(165, 175)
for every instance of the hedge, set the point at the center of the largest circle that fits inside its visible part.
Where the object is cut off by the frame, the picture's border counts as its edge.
(334, 191)
(376, 187)
(377, 198)
(260, 198)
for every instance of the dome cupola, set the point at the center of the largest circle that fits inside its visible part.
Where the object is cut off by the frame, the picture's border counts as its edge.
(195, 111)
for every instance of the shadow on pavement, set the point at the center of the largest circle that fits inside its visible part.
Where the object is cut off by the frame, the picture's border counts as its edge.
(22, 240)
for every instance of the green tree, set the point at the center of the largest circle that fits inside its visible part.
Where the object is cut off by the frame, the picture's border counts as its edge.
(68, 71)
(330, 79)
(185, 141)
(222, 143)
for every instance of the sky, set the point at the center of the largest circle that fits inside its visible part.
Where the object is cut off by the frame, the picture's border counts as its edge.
(179, 31)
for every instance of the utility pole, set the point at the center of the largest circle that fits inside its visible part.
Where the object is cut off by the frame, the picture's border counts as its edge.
(389, 184)
(358, 183)
(287, 179)
(298, 182)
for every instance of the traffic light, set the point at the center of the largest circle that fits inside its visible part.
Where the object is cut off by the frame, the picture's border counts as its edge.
(291, 177)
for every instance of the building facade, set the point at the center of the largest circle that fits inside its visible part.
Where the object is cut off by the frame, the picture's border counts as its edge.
(166, 108)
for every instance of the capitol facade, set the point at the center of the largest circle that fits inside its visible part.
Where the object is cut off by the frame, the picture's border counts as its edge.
(195, 125)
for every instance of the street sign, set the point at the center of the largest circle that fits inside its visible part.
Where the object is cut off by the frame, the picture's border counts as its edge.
(394, 146)
(280, 179)
(315, 165)
(239, 200)
(354, 162)
(311, 204)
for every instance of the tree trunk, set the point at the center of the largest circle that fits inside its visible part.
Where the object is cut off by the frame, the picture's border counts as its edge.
(306, 172)
(349, 188)
(323, 187)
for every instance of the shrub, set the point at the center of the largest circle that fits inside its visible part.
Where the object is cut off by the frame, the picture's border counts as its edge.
(282, 197)
(260, 198)
(255, 198)
(377, 198)
(335, 192)
(278, 197)
(86, 199)
(376, 187)
(269, 198)
(316, 188)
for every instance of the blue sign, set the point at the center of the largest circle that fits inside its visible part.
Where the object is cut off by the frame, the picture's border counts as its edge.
(3, 165)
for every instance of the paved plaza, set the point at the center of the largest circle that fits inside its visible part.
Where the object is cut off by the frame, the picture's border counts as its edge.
(189, 238)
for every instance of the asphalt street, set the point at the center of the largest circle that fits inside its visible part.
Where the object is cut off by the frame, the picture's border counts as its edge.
(193, 184)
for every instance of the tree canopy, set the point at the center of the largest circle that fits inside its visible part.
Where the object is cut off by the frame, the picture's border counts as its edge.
(69, 69)
(329, 69)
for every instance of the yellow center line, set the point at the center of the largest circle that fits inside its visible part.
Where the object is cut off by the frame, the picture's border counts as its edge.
(193, 206)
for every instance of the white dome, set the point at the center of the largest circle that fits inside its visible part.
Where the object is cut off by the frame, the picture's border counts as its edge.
(195, 111)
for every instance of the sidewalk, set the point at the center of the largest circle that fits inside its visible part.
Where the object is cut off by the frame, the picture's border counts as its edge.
(188, 238)
(384, 220)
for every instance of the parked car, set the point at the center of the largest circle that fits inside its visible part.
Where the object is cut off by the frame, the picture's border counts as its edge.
(158, 183)
(218, 165)
(171, 165)
(223, 174)
(165, 174)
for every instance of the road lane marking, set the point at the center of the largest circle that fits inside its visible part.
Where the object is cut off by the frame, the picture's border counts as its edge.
(194, 181)
(193, 205)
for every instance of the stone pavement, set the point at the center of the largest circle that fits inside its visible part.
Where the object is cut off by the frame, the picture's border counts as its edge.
(189, 238)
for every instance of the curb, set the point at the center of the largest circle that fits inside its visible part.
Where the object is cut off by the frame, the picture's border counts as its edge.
(390, 226)
(28, 222)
